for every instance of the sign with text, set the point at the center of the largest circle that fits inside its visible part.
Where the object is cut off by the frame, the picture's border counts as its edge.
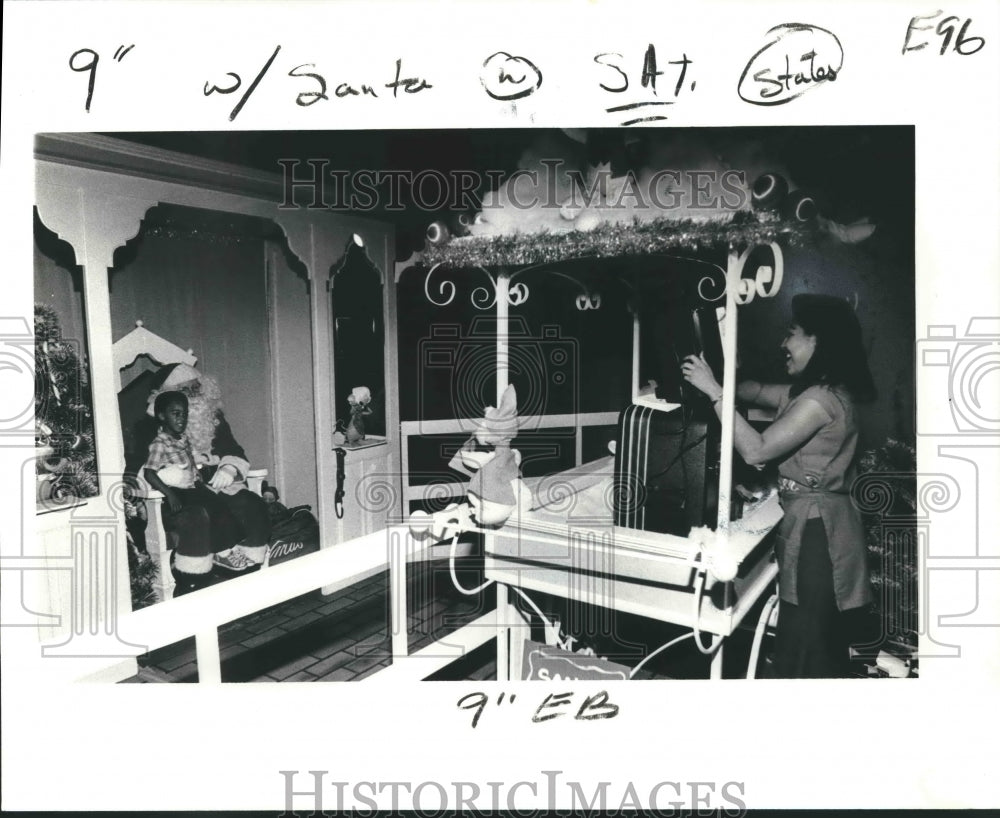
(548, 663)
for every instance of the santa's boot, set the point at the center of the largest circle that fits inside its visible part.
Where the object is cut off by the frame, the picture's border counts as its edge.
(191, 573)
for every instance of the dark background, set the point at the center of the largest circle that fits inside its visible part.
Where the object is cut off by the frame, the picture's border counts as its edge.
(852, 172)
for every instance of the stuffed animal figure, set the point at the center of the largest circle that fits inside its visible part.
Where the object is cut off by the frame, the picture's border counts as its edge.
(495, 490)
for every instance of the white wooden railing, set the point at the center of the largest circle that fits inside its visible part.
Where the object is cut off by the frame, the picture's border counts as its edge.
(336, 567)
(439, 490)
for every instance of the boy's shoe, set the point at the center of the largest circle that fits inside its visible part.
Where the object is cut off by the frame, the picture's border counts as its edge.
(233, 560)
(256, 555)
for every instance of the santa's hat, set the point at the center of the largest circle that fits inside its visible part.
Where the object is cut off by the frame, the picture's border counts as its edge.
(168, 379)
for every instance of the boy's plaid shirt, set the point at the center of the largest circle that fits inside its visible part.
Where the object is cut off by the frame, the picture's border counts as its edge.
(166, 450)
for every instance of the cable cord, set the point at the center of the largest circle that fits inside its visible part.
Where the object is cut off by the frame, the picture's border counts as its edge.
(545, 620)
(758, 636)
(659, 650)
(454, 575)
(472, 591)
(679, 457)
(696, 631)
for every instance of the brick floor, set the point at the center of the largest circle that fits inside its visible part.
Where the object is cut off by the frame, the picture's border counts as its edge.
(345, 637)
(331, 663)
(267, 623)
(292, 667)
(366, 662)
(301, 676)
(341, 674)
(339, 637)
(337, 646)
(263, 638)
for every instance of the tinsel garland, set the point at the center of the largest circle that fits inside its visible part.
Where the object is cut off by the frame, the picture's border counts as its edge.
(616, 240)
(188, 232)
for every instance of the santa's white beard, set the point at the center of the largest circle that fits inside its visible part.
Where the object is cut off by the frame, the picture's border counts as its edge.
(203, 417)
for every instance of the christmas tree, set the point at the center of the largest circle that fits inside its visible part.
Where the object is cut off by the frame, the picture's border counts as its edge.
(66, 466)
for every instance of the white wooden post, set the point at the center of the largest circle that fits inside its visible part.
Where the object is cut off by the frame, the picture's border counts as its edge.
(207, 654)
(715, 669)
(95, 224)
(503, 333)
(635, 355)
(733, 271)
(399, 624)
(503, 630)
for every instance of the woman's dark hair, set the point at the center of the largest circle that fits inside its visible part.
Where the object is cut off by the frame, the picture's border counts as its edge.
(839, 358)
(164, 399)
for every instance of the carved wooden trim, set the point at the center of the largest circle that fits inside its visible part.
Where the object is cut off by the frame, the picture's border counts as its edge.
(120, 156)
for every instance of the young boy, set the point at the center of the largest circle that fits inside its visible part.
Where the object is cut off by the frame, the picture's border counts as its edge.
(203, 521)
(170, 465)
(188, 504)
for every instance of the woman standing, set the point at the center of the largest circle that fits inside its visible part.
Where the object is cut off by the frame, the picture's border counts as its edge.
(820, 543)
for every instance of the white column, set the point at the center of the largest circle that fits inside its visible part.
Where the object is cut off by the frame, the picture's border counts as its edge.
(95, 224)
(206, 647)
(503, 630)
(733, 271)
(399, 543)
(503, 333)
(635, 354)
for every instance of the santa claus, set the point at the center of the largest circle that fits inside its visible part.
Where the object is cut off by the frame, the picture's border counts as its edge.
(214, 519)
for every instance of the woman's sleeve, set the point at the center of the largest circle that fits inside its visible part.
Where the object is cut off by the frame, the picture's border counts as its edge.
(825, 397)
(764, 395)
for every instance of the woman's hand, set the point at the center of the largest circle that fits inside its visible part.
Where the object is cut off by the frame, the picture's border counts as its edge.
(698, 373)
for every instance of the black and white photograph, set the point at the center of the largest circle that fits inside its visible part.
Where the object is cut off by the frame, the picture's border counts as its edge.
(524, 385)
(546, 442)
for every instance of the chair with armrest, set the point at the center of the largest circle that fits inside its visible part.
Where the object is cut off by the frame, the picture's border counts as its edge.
(147, 351)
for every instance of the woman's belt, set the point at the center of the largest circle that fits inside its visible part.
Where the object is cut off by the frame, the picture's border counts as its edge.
(786, 484)
(792, 493)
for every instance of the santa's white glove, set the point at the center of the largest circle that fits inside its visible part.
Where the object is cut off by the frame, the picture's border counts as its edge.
(223, 478)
